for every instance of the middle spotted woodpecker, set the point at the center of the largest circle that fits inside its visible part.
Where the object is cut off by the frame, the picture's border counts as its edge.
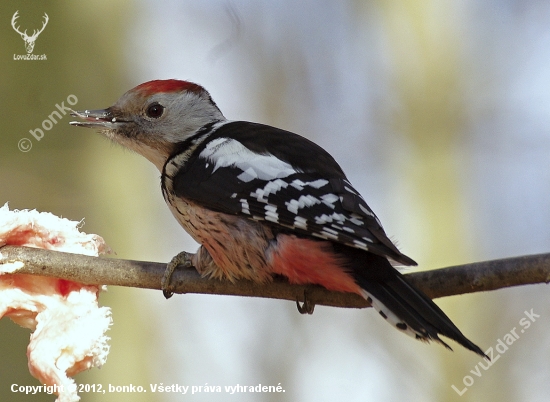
(262, 201)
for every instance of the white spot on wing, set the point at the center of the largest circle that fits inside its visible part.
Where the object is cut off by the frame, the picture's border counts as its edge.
(308, 200)
(293, 206)
(273, 186)
(270, 207)
(270, 188)
(244, 206)
(300, 222)
(259, 195)
(330, 199)
(350, 190)
(271, 213)
(304, 201)
(327, 232)
(322, 219)
(317, 183)
(354, 219)
(365, 210)
(321, 235)
(298, 184)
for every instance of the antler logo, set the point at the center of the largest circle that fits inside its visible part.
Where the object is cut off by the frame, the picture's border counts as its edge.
(29, 40)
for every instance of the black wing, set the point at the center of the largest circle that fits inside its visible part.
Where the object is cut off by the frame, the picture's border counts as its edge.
(267, 174)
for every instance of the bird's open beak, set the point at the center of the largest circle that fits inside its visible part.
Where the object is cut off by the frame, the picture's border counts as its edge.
(102, 118)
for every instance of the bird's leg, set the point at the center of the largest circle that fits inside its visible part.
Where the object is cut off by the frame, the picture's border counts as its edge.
(308, 306)
(184, 259)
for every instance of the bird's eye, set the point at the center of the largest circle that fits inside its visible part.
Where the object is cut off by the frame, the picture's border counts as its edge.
(155, 110)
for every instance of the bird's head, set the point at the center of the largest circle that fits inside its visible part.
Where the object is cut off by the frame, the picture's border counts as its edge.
(153, 117)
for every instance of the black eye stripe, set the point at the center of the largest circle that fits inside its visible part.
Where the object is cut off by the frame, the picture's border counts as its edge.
(155, 110)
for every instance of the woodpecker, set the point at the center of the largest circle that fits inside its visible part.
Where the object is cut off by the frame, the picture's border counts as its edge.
(263, 201)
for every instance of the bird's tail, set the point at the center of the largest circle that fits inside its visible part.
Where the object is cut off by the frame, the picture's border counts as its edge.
(402, 305)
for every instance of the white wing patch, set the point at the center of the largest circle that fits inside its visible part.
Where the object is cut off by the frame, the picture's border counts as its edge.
(270, 188)
(330, 199)
(300, 222)
(315, 214)
(225, 152)
(245, 207)
(299, 184)
(366, 211)
(271, 213)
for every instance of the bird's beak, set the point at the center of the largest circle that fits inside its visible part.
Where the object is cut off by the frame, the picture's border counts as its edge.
(102, 118)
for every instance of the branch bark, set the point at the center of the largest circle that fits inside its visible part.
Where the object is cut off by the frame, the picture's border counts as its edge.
(475, 277)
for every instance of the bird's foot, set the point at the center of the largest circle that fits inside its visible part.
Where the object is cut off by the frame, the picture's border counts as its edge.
(182, 259)
(308, 306)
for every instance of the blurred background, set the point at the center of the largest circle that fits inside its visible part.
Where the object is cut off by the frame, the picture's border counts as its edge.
(439, 112)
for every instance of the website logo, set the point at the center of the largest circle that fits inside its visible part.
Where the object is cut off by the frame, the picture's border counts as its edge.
(29, 40)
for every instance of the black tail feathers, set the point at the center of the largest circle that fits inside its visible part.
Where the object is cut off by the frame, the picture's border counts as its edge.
(401, 304)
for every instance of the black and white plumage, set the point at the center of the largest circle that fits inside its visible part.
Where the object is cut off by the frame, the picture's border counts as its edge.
(279, 177)
(263, 201)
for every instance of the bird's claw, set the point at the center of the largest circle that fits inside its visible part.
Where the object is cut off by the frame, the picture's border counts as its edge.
(307, 306)
(183, 259)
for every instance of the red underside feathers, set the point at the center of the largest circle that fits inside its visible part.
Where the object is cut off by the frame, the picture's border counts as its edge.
(305, 261)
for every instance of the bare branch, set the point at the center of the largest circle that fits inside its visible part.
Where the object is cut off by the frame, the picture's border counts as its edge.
(475, 277)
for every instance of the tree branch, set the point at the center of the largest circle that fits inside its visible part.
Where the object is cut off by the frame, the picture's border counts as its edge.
(475, 277)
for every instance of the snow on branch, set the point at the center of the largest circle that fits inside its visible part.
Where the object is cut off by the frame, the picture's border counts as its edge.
(474, 277)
